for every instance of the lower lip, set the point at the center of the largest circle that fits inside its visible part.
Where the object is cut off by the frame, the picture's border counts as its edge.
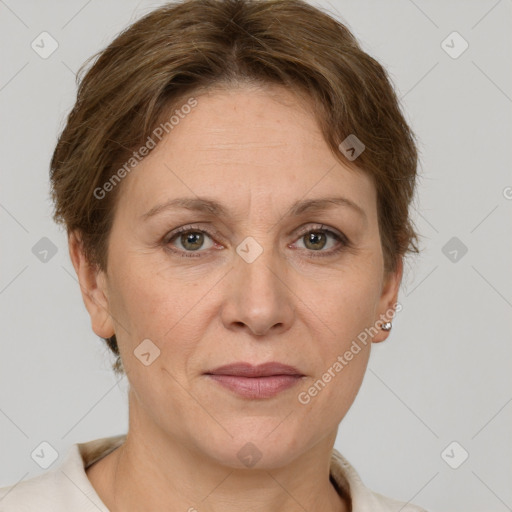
(257, 387)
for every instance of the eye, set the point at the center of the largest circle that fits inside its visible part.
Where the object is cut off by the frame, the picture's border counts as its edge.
(189, 240)
(317, 239)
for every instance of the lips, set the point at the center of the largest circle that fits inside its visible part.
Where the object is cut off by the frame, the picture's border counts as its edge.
(261, 370)
(261, 381)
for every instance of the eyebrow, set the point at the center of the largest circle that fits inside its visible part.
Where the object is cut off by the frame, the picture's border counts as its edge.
(213, 207)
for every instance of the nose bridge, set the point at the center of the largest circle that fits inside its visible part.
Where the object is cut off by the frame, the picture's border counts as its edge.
(258, 265)
(259, 298)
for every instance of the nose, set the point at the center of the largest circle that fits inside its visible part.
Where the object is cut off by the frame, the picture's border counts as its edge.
(258, 298)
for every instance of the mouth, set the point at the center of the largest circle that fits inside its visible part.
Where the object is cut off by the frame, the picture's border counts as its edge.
(256, 382)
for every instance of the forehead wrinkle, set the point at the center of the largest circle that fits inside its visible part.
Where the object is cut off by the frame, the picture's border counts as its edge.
(241, 145)
(214, 207)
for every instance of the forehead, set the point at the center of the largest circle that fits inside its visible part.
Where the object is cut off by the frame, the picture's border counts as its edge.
(243, 146)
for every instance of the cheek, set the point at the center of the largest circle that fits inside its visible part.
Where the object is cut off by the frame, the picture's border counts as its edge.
(328, 394)
(147, 299)
(347, 309)
(153, 301)
(346, 303)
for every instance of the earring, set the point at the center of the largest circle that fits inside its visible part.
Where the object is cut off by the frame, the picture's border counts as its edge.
(386, 326)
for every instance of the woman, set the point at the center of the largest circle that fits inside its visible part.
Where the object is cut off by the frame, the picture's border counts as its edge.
(235, 179)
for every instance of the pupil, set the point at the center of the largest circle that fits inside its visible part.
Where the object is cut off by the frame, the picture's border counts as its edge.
(192, 238)
(314, 238)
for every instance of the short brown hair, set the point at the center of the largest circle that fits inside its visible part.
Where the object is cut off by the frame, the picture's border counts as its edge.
(191, 45)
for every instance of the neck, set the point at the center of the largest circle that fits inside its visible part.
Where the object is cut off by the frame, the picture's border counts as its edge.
(166, 474)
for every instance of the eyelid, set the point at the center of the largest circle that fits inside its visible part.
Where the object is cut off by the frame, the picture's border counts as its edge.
(319, 227)
(191, 227)
(302, 230)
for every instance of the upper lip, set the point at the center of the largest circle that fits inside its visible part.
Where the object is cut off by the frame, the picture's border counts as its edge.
(243, 369)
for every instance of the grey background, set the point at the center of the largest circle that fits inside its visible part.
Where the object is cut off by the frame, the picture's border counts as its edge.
(444, 373)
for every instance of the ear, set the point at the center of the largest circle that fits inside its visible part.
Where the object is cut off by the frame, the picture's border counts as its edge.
(388, 299)
(93, 286)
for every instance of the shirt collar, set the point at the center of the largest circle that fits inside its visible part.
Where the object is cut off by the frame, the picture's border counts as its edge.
(343, 475)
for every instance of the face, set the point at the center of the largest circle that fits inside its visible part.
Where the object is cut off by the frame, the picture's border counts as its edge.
(262, 274)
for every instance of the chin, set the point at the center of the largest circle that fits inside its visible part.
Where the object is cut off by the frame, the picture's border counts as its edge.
(260, 446)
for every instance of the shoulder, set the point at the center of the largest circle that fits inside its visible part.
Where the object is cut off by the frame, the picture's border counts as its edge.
(25, 496)
(362, 498)
(55, 491)
(64, 488)
(390, 505)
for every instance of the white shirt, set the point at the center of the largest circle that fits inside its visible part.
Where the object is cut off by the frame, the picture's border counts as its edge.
(66, 488)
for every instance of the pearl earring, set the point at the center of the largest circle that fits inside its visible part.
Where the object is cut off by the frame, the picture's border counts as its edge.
(386, 326)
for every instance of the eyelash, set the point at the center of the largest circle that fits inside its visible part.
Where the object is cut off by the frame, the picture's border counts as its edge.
(343, 241)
